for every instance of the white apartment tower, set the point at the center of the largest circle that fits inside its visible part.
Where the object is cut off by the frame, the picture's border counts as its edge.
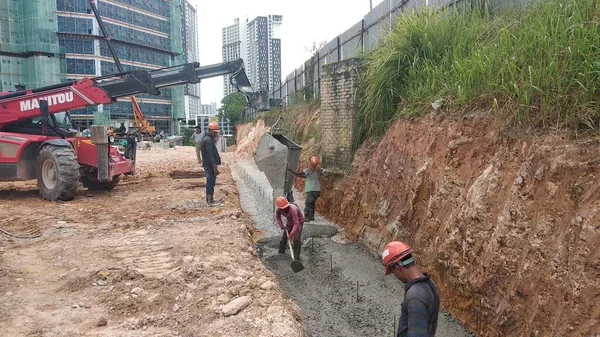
(275, 22)
(192, 96)
(258, 43)
(234, 47)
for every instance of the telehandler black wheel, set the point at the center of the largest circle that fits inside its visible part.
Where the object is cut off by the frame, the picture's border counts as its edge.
(57, 173)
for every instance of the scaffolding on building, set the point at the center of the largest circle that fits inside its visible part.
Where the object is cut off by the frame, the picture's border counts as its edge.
(29, 53)
(51, 41)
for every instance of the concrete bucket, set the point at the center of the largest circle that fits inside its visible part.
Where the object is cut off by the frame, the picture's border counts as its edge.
(273, 154)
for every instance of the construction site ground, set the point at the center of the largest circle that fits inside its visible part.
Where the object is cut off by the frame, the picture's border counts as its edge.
(146, 259)
(151, 259)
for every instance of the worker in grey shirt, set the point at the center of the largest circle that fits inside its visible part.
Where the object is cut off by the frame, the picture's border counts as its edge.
(312, 187)
(196, 138)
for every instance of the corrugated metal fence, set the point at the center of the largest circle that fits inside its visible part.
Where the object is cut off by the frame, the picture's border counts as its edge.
(362, 37)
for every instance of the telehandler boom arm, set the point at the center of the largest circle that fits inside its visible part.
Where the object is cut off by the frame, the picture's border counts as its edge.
(24, 104)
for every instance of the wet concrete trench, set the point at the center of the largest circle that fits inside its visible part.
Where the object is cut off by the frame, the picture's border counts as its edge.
(342, 290)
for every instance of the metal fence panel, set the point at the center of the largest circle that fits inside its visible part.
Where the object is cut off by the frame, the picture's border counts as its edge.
(351, 41)
(365, 36)
(331, 51)
(378, 11)
(351, 48)
(353, 32)
(371, 36)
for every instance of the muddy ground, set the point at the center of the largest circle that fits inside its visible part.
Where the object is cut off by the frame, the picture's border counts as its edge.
(146, 259)
(326, 290)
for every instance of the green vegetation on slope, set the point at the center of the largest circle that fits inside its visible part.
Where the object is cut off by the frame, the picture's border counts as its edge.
(296, 121)
(540, 62)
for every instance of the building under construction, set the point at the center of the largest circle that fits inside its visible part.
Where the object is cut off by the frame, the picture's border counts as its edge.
(50, 41)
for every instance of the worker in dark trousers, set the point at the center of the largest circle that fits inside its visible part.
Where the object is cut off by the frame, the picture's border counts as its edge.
(210, 160)
(294, 224)
(421, 303)
(312, 186)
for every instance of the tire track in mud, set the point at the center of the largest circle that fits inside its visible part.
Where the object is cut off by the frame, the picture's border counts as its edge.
(326, 290)
(140, 251)
(10, 228)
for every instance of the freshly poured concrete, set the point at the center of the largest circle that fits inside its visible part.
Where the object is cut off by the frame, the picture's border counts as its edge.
(326, 290)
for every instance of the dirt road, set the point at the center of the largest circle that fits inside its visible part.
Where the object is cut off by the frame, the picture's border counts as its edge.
(146, 259)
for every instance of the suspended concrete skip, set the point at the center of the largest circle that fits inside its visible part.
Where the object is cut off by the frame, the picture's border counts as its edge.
(273, 155)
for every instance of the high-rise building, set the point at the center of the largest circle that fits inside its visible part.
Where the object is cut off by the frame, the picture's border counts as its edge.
(29, 52)
(234, 47)
(190, 54)
(275, 22)
(209, 109)
(264, 51)
(49, 41)
(203, 120)
(258, 52)
(258, 43)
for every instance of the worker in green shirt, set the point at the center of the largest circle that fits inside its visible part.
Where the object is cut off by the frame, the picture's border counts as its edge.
(312, 186)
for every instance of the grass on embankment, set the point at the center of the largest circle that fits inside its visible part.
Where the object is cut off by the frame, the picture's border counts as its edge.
(296, 121)
(540, 62)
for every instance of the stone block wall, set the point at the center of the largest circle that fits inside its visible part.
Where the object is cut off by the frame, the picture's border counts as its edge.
(339, 103)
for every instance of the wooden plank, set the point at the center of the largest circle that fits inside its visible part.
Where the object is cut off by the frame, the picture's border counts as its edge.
(178, 174)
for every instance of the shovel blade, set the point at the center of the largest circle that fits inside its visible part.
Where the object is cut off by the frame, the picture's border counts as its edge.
(297, 266)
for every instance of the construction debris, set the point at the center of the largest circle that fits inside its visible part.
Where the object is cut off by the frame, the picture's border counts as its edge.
(236, 305)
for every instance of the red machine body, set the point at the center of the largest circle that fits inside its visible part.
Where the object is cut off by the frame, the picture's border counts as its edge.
(37, 140)
(18, 150)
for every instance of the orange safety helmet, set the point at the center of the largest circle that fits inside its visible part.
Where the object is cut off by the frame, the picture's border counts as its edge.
(314, 161)
(214, 126)
(393, 253)
(281, 203)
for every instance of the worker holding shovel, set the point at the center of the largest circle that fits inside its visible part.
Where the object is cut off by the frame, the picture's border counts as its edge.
(312, 187)
(292, 231)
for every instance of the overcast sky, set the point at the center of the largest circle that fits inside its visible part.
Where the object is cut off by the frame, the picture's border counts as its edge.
(303, 22)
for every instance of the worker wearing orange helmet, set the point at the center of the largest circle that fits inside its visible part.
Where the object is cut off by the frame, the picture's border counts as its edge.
(294, 224)
(312, 186)
(421, 299)
(210, 160)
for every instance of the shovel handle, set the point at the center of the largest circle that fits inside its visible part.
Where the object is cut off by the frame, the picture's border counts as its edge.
(290, 244)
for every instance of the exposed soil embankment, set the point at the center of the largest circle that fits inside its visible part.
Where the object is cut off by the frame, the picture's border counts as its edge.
(508, 224)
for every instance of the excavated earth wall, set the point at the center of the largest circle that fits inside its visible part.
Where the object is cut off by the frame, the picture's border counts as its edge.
(507, 223)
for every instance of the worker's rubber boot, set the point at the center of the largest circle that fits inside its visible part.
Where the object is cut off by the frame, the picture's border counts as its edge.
(209, 200)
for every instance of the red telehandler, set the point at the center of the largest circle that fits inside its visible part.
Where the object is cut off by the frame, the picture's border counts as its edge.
(37, 139)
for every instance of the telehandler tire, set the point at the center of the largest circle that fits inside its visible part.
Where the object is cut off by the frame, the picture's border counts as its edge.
(57, 173)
